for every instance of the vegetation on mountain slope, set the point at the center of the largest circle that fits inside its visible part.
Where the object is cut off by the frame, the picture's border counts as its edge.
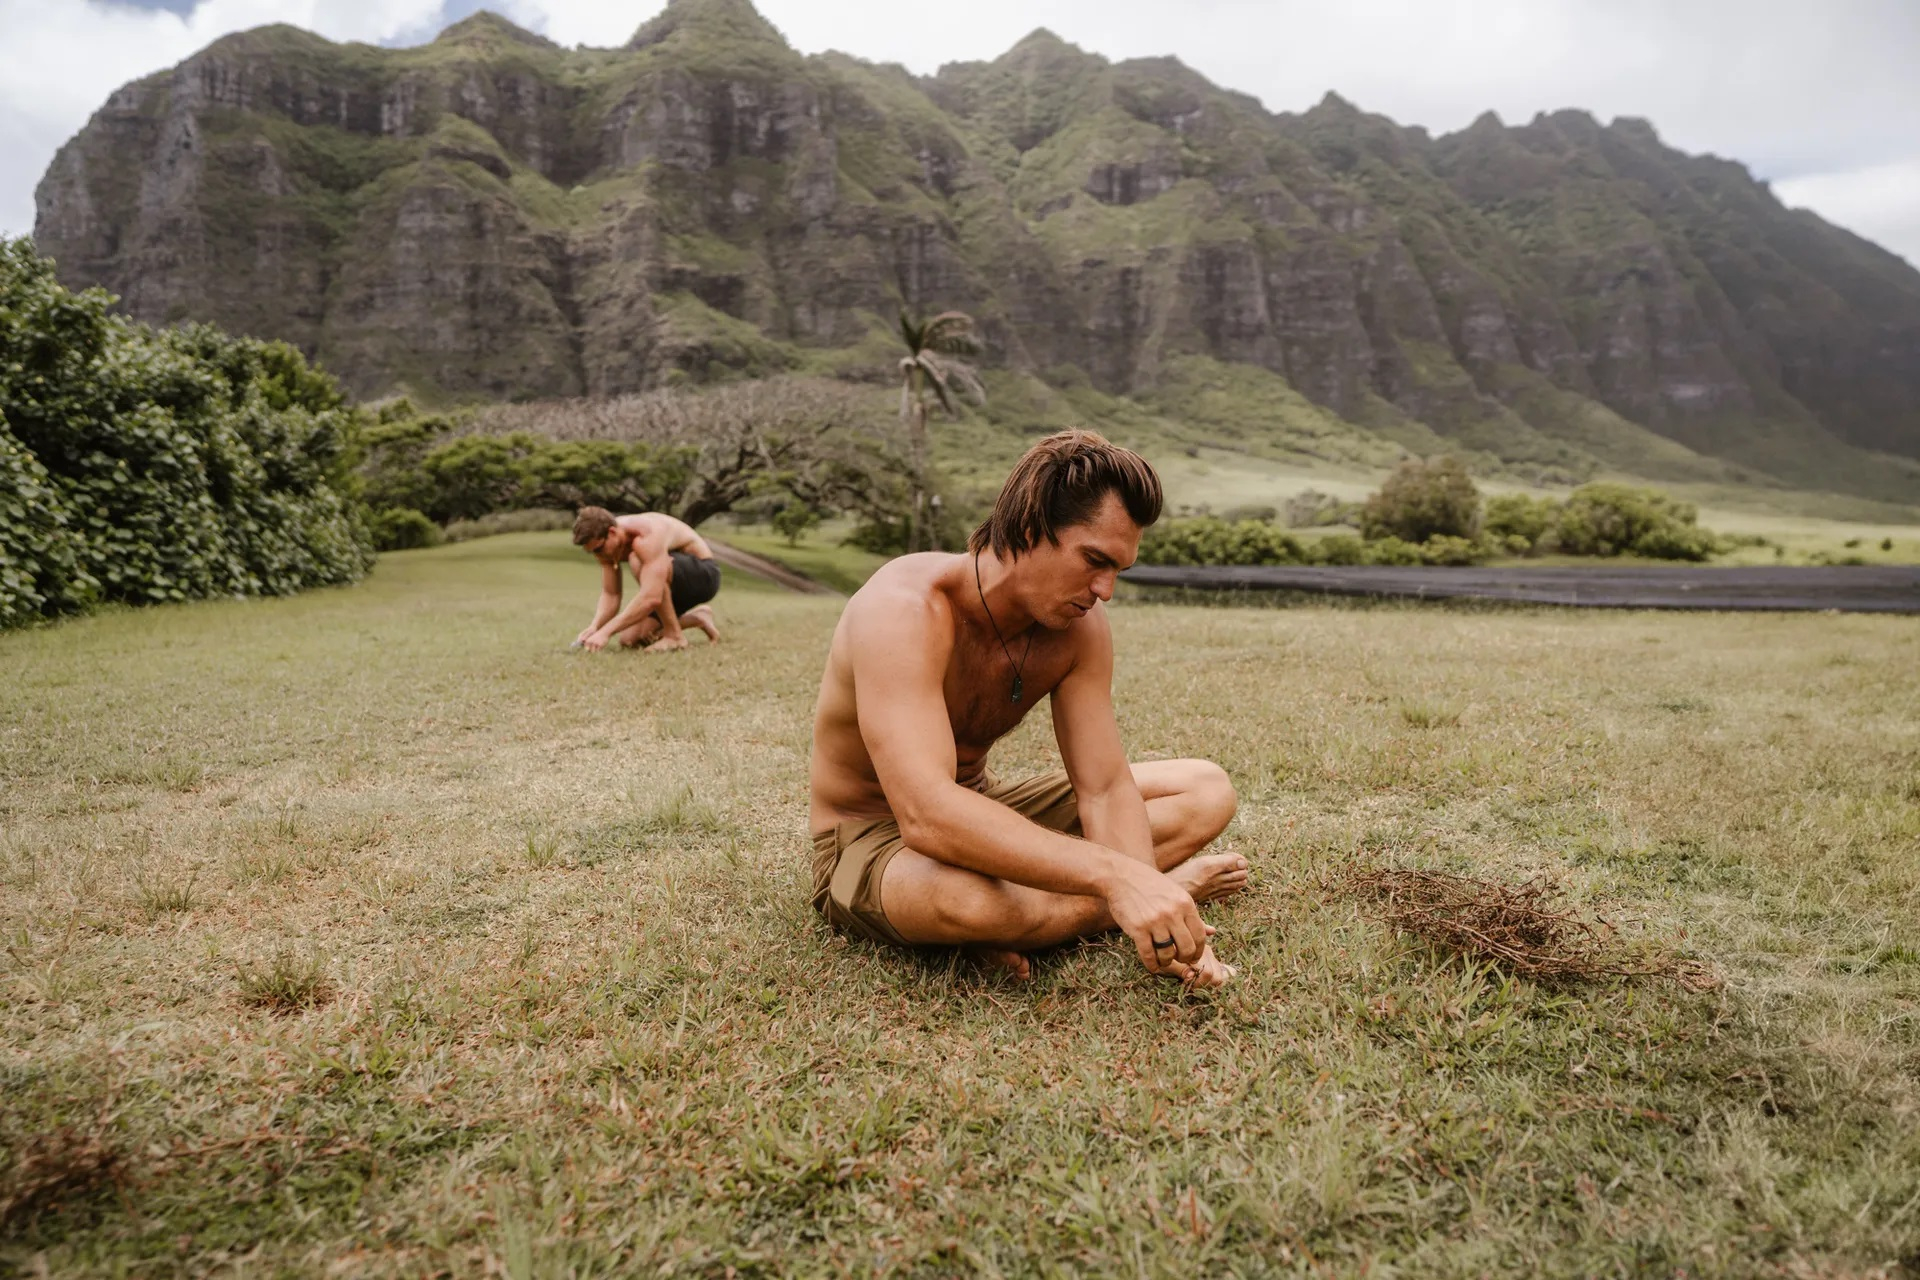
(491, 216)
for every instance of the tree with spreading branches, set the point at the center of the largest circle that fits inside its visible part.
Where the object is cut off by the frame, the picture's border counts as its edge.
(932, 370)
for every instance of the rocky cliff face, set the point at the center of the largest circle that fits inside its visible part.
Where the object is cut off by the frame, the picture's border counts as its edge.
(492, 215)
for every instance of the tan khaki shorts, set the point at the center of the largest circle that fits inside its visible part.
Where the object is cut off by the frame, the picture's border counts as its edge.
(850, 859)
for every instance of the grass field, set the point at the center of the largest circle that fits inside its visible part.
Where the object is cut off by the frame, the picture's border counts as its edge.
(1808, 527)
(372, 933)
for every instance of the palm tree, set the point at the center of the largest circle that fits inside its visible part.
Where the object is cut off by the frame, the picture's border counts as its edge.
(930, 365)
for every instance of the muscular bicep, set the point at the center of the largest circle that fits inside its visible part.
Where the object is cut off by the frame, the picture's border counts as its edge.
(898, 650)
(651, 565)
(1083, 718)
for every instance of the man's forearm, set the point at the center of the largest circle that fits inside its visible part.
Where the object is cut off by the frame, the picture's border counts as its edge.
(963, 828)
(644, 603)
(604, 611)
(1117, 818)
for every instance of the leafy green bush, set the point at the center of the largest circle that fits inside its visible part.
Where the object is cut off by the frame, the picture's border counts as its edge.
(1203, 540)
(472, 476)
(1389, 551)
(1211, 540)
(1337, 549)
(39, 560)
(155, 465)
(793, 519)
(1445, 549)
(951, 525)
(393, 447)
(425, 464)
(1517, 522)
(1614, 519)
(402, 529)
(1423, 499)
(528, 520)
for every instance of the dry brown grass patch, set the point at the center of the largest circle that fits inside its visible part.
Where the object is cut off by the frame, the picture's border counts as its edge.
(1528, 928)
(52, 1169)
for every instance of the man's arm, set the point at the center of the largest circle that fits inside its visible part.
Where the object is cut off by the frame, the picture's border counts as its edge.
(609, 601)
(651, 567)
(900, 644)
(1111, 810)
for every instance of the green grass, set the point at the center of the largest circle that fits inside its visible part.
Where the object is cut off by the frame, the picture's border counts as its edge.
(820, 555)
(550, 999)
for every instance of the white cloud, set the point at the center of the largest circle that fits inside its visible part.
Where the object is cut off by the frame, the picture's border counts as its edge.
(62, 58)
(1881, 203)
(1817, 97)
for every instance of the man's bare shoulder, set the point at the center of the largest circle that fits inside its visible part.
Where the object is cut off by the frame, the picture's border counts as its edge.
(905, 595)
(654, 523)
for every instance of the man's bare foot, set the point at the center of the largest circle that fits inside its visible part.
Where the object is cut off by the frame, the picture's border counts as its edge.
(1209, 973)
(1214, 875)
(667, 644)
(702, 617)
(1012, 963)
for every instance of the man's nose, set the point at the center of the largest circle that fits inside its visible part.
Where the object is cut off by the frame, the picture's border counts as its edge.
(1103, 584)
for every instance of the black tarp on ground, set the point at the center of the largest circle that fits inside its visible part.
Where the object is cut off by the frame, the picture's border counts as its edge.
(1850, 588)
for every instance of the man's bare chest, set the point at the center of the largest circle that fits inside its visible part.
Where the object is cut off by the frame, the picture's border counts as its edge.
(980, 685)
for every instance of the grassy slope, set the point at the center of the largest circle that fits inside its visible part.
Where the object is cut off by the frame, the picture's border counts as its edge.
(584, 1018)
(821, 554)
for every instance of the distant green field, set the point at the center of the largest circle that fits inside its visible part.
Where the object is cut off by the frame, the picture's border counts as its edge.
(371, 932)
(822, 554)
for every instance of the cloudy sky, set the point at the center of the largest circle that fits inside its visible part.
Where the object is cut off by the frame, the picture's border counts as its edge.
(1819, 96)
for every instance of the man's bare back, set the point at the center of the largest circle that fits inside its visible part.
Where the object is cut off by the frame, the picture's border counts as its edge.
(937, 658)
(670, 532)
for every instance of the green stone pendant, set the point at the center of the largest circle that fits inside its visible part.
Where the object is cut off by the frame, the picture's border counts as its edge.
(1016, 688)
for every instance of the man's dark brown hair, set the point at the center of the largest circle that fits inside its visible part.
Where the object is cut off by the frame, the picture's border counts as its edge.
(1061, 482)
(591, 524)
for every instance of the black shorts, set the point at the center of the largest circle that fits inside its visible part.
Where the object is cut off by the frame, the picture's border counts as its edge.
(695, 581)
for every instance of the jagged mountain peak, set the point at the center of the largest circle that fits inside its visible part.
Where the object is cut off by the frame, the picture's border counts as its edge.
(731, 20)
(1042, 51)
(1560, 295)
(1638, 128)
(486, 25)
(1041, 38)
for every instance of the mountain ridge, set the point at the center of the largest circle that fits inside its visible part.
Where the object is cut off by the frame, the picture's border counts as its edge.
(491, 215)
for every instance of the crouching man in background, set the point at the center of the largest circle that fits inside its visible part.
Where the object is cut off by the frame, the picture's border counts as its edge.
(939, 656)
(674, 574)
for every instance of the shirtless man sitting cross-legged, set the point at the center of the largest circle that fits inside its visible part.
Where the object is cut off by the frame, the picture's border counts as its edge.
(937, 657)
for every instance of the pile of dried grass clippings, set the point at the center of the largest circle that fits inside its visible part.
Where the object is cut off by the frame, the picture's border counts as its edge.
(1526, 928)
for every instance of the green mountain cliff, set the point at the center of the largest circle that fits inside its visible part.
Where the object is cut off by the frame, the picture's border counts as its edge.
(492, 215)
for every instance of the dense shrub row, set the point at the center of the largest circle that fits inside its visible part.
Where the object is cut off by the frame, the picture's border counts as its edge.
(143, 465)
(418, 474)
(786, 449)
(1212, 540)
(1431, 513)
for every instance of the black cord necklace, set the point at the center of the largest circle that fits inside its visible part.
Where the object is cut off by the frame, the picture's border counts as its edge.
(1019, 670)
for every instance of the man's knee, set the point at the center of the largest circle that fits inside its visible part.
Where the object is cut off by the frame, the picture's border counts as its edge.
(1215, 801)
(1205, 792)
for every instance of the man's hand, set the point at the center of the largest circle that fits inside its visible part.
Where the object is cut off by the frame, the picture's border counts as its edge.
(1152, 908)
(594, 641)
(1209, 973)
